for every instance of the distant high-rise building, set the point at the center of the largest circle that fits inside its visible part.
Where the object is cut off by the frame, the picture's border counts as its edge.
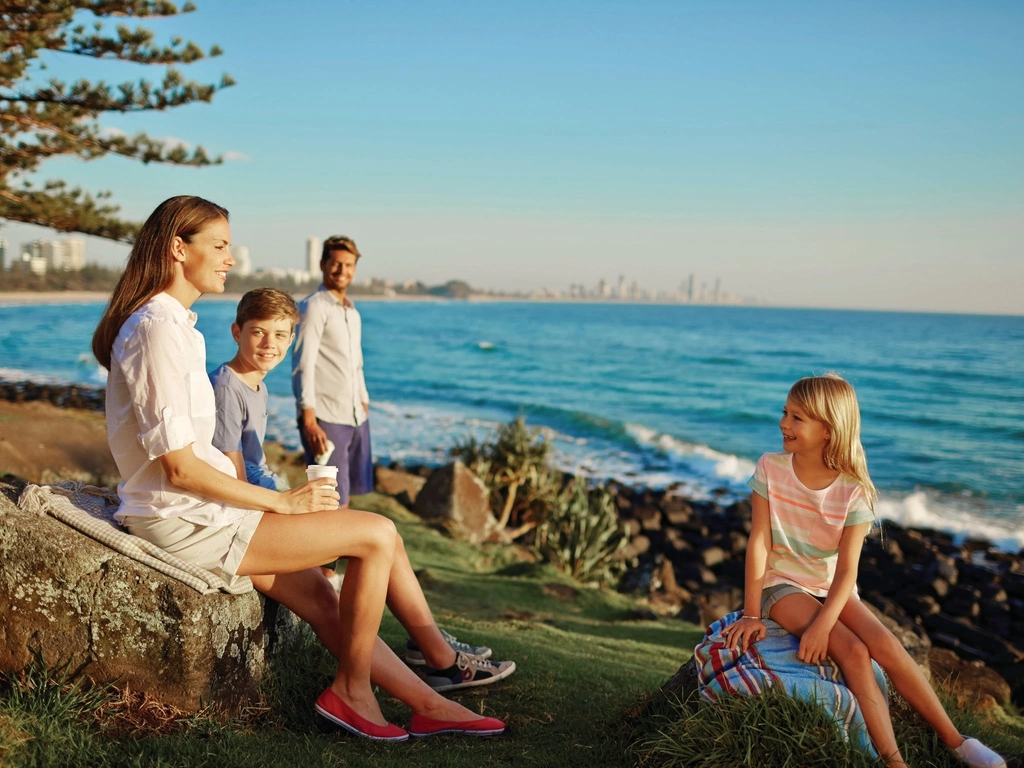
(73, 254)
(313, 249)
(243, 264)
(621, 293)
(3, 253)
(718, 289)
(689, 289)
(64, 255)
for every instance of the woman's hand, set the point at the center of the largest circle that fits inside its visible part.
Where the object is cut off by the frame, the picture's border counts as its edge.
(316, 496)
(814, 644)
(742, 633)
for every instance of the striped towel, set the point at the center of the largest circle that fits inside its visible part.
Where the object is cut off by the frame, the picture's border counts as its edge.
(773, 661)
(90, 510)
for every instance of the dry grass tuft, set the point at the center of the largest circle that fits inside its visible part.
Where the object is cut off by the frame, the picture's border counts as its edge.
(12, 738)
(136, 714)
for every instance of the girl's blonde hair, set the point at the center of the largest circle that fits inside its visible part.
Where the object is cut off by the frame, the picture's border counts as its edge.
(831, 400)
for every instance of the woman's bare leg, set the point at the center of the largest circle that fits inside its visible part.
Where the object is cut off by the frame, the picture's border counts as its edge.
(328, 570)
(312, 598)
(903, 671)
(289, 543)
(409, 605)
(795, 614)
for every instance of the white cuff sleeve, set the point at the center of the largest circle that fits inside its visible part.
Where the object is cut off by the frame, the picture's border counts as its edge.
(171, 433)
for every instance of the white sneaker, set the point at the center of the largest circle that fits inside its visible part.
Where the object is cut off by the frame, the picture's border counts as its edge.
(977, 755)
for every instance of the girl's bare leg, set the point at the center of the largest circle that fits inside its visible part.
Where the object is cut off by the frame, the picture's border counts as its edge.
(903, 671)
(311, 597)
(289, 543)
(795, 613)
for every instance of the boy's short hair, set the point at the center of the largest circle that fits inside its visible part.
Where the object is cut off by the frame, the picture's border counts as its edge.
(266, 304)
(338, 243)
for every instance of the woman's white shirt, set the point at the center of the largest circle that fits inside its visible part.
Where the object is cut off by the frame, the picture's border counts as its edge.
(159, 399)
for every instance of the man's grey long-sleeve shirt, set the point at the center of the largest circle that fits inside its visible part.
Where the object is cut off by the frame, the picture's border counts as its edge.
(327, 364)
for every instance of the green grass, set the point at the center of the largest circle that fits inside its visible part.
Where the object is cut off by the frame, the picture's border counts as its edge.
(584, 693)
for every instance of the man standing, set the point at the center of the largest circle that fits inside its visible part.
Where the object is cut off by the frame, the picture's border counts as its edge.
(327, 374)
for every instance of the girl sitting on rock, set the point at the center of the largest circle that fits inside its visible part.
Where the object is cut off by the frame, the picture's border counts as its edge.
(812, 507)
(182, 494)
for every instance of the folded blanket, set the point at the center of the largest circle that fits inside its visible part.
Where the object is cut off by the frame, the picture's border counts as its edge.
(91, 510)
(772, 661)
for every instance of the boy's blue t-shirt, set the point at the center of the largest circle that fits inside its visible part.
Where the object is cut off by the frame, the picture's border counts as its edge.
(242, 424)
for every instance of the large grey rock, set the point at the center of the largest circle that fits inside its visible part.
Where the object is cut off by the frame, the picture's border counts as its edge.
(77, 602)
(455, 497)
(396, 483)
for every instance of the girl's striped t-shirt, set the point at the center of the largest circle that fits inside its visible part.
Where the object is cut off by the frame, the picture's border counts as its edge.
(806, 524)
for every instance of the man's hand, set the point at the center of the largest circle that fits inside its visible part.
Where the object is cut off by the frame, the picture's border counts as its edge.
(314, 436)
(366, 408)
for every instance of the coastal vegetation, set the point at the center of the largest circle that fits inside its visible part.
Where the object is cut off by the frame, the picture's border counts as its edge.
(563, 519)
(94, 277)
(40, 121)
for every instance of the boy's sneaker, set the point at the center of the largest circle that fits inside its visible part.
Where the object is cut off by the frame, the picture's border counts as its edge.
(466, 672)
(977, 755)
(414, 656)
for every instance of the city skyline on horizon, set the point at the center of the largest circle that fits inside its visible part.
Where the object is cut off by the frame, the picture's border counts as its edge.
(589, 289)
(849, 156)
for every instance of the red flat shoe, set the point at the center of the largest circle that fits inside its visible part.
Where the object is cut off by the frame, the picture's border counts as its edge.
(421, 726)
(340, 713)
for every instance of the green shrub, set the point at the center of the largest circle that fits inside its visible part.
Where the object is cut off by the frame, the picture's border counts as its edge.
(582, 534)
(575, 528)
(514, 466)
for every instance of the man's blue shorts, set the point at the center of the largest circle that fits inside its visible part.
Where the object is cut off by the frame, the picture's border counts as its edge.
(352, 456)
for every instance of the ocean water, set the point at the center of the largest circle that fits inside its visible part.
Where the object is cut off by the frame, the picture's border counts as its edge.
(657, 395)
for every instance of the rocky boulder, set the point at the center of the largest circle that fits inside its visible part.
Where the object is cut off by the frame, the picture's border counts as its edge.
(971, 681)
(403, 486)
(456, 498)
(74, 601)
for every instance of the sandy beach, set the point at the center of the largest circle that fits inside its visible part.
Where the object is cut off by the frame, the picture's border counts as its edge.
(15, 298)
(8, 298)
(41, 442)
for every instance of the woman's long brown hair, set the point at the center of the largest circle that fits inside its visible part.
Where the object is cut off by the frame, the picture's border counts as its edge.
(150, 268)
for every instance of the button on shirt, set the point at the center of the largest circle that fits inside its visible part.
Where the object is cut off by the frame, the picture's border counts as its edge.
(159, 399)
(327, 372)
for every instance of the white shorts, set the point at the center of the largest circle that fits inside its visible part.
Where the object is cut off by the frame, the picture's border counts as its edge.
(218, 549)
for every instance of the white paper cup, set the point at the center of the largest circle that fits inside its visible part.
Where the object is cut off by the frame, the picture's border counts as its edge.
(320, 472)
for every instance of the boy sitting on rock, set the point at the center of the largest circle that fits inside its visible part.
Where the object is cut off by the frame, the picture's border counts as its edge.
(264, 328)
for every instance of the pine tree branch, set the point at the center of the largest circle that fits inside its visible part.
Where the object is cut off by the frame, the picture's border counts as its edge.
(40, 122)
(66, 210)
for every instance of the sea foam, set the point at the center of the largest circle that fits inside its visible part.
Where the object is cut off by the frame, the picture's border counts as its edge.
(918, 510)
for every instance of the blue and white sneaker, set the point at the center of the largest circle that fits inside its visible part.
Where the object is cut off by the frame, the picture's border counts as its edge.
(414, 656)
(466, 672)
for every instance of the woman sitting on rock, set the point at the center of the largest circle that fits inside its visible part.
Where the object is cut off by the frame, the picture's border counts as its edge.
(182, 494)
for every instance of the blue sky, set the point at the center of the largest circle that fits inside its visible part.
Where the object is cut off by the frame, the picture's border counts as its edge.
(841, 154)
